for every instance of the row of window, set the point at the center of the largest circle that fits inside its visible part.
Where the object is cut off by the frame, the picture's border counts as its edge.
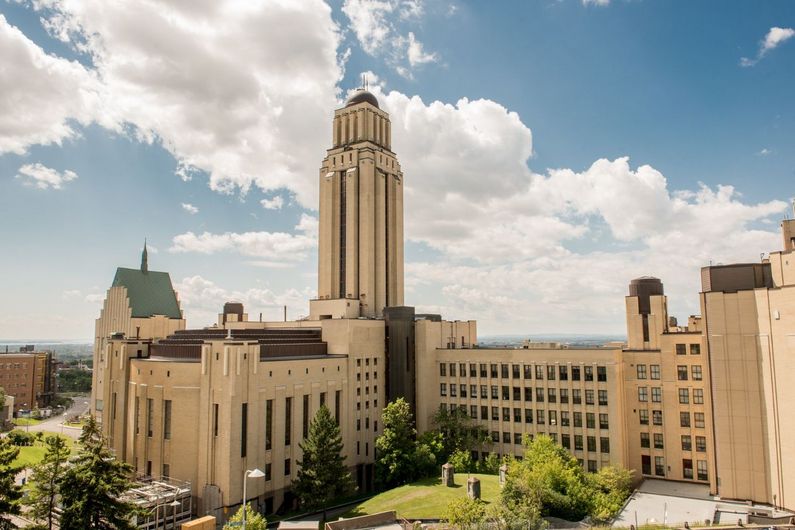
(541, 416)
(552, 395)
(686, 441)
(565, 441)
(652, 371)
(687, 467)
(684, 395)
(695, 349)
(684, 418)
(516, 371)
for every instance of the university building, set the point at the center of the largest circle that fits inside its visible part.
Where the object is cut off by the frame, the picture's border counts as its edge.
(29, 377)
(696, 402)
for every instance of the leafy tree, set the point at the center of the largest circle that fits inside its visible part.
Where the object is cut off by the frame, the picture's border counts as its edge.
(254, 520)
(92, 487)
(490, 465)
(397, 446)
(10, 493)
(322, 475)
(466, 513)
(46, 480)
(609, 488)
(460, 431)
(462, 461)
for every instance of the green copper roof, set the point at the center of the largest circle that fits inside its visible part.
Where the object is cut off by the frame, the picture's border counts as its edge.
(150, 293)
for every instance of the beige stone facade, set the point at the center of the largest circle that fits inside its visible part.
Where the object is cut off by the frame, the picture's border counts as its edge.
(697, 402)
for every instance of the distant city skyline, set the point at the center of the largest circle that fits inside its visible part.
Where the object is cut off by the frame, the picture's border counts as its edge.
(670, 141)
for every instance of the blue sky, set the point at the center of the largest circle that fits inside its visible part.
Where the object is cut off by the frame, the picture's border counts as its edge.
(552, 150)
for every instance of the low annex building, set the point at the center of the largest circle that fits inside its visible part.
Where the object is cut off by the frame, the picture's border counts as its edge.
(697, 402)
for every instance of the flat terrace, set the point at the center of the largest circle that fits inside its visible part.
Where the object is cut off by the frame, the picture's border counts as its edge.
(273, 343)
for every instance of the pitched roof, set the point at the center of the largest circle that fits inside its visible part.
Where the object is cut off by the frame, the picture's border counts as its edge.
(150, 293)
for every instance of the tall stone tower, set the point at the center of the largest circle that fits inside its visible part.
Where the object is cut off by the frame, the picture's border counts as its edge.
(360, 254)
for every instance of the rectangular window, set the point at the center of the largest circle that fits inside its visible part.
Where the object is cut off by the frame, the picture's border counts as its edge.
(701, 444)
(462, 391)
(452, 369)
(702, 470)
(687, 468)
(575, 373)
(506, 414)
(268, 471)
(515, 371)
(493, 370)
(658, 440)
(528, 415)
(681, 349)
(563, 372)
(696, 371)
(551, 397)
(540, 373)
(517, 393)
(578, 419)
(150, 416)
(473, 391)
(645, 464)
(698, 419)
(684, 419)
(695, 349)
(644, 440)
(684, 396)
(306, 416)
(484, 391)
(167, 419)
(483, 372)
(243, 429)
(576, 396)
(656, 417)
(564, 395)
(540, 420)
(659, 466)
(588, 373)
(506, 393)
(443, 389)
(504, 371)
(528, 393)
(137, 413)
(643, 394)
(473, 370)
(641, 369)
(443, 369)
(517, 438)
(553, 417)
(656, 394)
(603, 423)
(495, 413)
(323, 396)
(604, 444)
(215, 419)
(462, 369)
(601, 373)
(539, 395)
(681, 372)
(589, 397)
(287, 470)
(484, 413)
(453, 390)
(550, 373)
(564, 418)
(590, 420)
(517, 415)
(269, 424)
(288, 420)
(655, 371)
(527, 371)
(565, 441)
(687, 442)
(506, 437)
(578, 442)
(495, 392)
(591, 443)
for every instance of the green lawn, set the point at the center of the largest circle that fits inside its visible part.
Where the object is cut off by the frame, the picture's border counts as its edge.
(25, 421)
(32, 455)
(426, 498)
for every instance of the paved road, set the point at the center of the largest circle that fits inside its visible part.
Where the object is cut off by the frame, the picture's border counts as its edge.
(55, 424)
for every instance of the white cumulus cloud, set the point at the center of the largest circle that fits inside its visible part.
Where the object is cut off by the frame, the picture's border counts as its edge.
(42, 177)
(191, 209)
(274, 203)
(773, 39)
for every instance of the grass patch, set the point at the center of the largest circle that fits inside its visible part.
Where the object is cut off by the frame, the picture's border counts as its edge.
(21, 422)
(31, 455)
(428, 498)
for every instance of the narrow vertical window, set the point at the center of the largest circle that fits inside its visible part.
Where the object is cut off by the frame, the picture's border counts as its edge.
(337, 404)
(288, 419)
(243, 429)
(343, 227)
(150, 413)
(137, 413)
(215, 419)
(167, 419)
(306, 416)
(268, 424)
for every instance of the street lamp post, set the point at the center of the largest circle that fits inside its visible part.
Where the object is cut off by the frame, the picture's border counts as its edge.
(253, 473)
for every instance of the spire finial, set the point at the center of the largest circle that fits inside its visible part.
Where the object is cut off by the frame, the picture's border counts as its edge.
(144, 259)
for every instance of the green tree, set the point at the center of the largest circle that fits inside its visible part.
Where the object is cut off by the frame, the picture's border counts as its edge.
(397, 446)
(92, 487)
(466, 513)
(46, 480)
(322, 475)
(460, 432)
(609, 489)
(490, 465)
(461, 461)
(254, 520)
(10, 493)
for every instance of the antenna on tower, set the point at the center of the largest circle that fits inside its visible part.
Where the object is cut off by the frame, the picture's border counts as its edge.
(365, 84)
